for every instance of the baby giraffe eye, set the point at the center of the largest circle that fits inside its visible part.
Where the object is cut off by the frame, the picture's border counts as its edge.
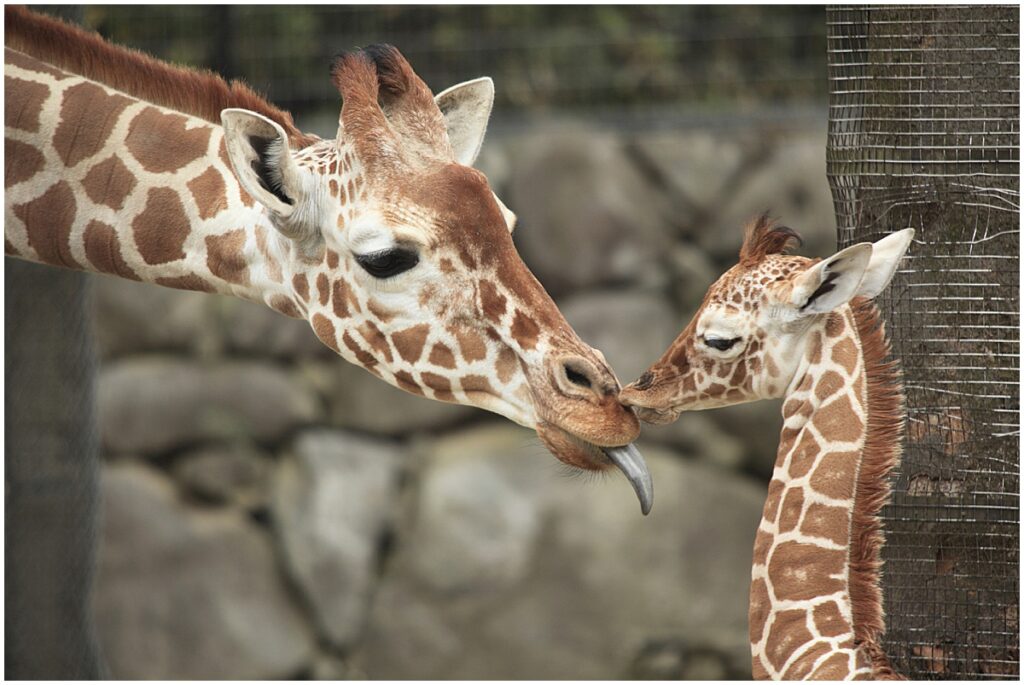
(389, 262)
(722, 344)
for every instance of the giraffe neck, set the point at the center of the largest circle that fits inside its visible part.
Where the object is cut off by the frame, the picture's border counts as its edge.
(100, 181)
(815, 605)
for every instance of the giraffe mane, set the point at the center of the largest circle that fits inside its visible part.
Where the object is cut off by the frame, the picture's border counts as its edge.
(881, 453)
(199, 93)
(763, 237)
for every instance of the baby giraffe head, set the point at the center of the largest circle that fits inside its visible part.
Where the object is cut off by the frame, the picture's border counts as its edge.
(402, 259)
(751, 334)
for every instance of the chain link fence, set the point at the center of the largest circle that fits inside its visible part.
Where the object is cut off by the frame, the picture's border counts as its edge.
(924, 132)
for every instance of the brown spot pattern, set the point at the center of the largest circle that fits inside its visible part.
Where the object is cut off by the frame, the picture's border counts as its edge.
(804, 455)
(788, 633)
(88, 114)
(837, 421)
(833, 668)
(407, 382)
(441, 386)
(21, 162)
(823, 521)
(324, 330)
(829, 621)
(507, 364)
(801, 571)
(441, 355)
(377, 340)
(109, 183)
(475, 383)
(835, 475)
(828, 385)
(104, 251)
(471, 344)
(771, 505)
(792, 507)
(803, 664)
(48, 220)
(525, 331)
(409, 342)
(845, 354)
(209, 192)
(323, 287)
(834, 325)
(187, 282)
(285, 305)
(492, 301)
(343, 300)
(760, 605)
(162, 227)
(301, 286)
(23, 103)
(365, 358)
(162, 143)
(225, 257)
(27, 63)
(379, 311)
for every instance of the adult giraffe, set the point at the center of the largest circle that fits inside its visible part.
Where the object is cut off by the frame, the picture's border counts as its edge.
(384, 239)
(805, 330)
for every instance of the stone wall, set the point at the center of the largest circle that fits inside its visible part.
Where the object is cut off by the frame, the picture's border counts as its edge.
(271, 511)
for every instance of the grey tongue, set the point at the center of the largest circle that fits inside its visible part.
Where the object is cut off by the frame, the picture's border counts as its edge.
(631, 462)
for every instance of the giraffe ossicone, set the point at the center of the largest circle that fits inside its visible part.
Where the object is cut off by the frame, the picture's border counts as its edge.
(383, 238)
(782, 326)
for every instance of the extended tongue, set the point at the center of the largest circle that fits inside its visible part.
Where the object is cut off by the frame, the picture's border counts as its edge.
(631, 462)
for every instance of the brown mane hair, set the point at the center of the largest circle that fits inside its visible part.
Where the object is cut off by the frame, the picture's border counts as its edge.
(200, 93)
(881, 453)
(763, 237)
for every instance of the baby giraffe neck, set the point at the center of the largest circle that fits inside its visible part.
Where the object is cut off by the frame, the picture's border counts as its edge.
(815, 599)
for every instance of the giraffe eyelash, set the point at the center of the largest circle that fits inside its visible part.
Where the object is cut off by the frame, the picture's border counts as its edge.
(720, 344)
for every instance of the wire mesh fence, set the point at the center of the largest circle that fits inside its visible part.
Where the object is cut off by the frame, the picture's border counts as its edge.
(924, 132)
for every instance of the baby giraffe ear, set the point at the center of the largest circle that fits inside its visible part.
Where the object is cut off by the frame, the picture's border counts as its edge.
(259, 152)
(467, 109)
(831, 282)
(885, 257)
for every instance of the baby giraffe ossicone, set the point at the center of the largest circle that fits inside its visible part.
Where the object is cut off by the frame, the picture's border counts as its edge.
(783, 326)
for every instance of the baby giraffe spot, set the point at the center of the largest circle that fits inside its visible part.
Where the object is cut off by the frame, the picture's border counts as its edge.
(814, 348)
(341, 298)
(367, 360)
(792, 507)
(828, 385)
(162, 227)
(187, 282)
(87, 117)
(323, 288)
(379, 311)
(109, 183)
(225, 257)
(27, 63)
(441, 355)
(407, 382)
(507, 364)
(301, 286)
(441, 386)
(760, 605)
(285, 305)
(739, 374)
(788, 633)
(332, 259)
(474, 383)
(324, 330)
(801, 571)
(162, 142)
(845, 354)
(803, 456)
(471, 344)
(823, 521)
(104, 251)
(834, 325)
(492, 301)
(829, 620)
(209, 193)
(21, 162)
(715, 390)
(835, 667)
(48, 220)
(525, 331)
(837, 421)
(762, 546)
(835, 475)
(802, 665)
(377, 340)
(409, 343)
(771, 505)
(446, 266)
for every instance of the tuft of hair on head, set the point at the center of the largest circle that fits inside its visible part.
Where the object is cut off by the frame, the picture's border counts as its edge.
(763, 237)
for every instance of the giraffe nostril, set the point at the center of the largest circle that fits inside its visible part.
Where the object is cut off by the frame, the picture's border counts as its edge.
(576, 377)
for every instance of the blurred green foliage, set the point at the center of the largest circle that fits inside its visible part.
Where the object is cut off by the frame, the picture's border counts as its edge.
(541, 57)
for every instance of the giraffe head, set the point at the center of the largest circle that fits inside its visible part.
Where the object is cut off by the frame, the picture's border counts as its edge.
(757, 323)
(403, 260)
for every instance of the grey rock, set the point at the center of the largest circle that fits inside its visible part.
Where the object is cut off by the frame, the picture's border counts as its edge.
(357, 399)
(333, 499)
(185, 595)
(756, 425)
(150, 405)
(697, 434)
(692, 274)
(631, 329)
(255, 329)
(138, 317)
(563, 579)
(233, 473)
(587, 215)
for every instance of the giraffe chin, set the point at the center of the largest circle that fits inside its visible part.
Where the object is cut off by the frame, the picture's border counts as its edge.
(576, 452)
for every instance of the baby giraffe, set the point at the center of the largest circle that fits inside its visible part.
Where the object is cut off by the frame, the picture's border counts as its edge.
(805, 330)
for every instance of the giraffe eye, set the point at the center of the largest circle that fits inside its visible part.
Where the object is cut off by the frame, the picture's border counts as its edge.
(389, 262)
(722, 344)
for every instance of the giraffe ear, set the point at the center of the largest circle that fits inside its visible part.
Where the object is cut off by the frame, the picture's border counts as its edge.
(832, 282)
(885, 257)
(467, 109)
(259, 152)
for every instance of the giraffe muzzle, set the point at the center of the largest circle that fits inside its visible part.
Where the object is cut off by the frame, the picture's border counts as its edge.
(632, 464)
